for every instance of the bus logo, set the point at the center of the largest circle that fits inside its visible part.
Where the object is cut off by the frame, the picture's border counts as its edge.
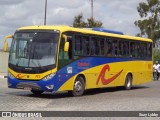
(20, 76)
(83, 64)
(102, 76)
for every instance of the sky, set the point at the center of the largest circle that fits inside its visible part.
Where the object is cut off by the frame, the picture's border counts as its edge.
(116, 15)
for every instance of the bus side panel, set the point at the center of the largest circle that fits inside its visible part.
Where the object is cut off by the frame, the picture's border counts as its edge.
(113, 74)
(68, 85)
(95, 75)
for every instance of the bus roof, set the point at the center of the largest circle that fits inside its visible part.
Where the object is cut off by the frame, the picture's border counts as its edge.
(63, 28)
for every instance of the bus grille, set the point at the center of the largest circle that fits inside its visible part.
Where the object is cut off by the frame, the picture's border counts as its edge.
(29, 85)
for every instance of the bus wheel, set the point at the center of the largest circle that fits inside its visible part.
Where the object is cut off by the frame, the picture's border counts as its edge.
(79, 87)
(128, 82)
(37, 92)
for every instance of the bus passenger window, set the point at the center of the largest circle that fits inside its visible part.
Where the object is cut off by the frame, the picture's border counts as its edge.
(106, 47)
(78, 45)
(136, 50)
(126, 48)
(93, 47)
(97, 45)
(143, 48)
(85, 46)
(132, 49)
(149, 50)
(109, 49)
(115, 48)
(70, 49)
(121, 49)
(102, 47)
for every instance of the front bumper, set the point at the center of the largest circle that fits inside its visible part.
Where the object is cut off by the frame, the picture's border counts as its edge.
(47, 86)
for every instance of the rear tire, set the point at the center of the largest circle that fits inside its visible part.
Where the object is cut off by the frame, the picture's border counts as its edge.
(37, 92)
(128, 82)
(79, 87)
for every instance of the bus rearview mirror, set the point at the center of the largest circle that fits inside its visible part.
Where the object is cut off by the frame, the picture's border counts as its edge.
(66, 46)
(65, 38)
(5, 47)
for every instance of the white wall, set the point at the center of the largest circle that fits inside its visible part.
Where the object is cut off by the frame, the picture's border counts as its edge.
(3, 62)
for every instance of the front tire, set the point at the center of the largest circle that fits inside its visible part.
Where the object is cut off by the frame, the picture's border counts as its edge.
(37, 92)
(128, 82)
(79, 86)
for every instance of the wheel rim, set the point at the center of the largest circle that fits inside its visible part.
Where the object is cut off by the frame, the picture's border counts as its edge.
(78, 86)
(128, 83)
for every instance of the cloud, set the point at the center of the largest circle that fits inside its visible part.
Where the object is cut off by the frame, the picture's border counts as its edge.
(116, 14)
(10, 2)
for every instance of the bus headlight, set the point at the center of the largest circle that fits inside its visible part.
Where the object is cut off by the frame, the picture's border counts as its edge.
(10, 75)
(48, 77)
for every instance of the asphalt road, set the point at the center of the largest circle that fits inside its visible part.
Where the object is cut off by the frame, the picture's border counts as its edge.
(145, 97)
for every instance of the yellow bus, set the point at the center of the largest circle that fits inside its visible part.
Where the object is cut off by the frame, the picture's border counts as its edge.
(63, 58)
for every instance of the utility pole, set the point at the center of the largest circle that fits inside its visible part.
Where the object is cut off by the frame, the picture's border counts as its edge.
(92, 9)
(45, 12)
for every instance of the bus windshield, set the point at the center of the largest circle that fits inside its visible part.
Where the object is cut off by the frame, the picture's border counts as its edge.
(34, 49)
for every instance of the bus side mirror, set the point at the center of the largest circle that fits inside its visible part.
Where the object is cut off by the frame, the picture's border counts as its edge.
(5, 47)
(65, 38)
(66, 46)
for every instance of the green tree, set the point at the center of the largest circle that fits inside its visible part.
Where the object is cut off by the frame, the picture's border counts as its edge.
(78, 21)
(91, 22)
(149, 25)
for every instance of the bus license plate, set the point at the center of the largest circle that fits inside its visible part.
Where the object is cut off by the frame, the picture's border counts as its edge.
(27, 88)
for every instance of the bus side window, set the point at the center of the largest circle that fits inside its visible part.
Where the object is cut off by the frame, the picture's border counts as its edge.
(102, 46)
(133, 49)
(61, 49)
(78, 45)
(121, 48)
(70, 55)
(93, 46)
(85, 46)
(149, 50)
(97, 46)
(115, 48)
(138, 49)
(126, 48)
(64, 57)
(143, 48)
(108, 48)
